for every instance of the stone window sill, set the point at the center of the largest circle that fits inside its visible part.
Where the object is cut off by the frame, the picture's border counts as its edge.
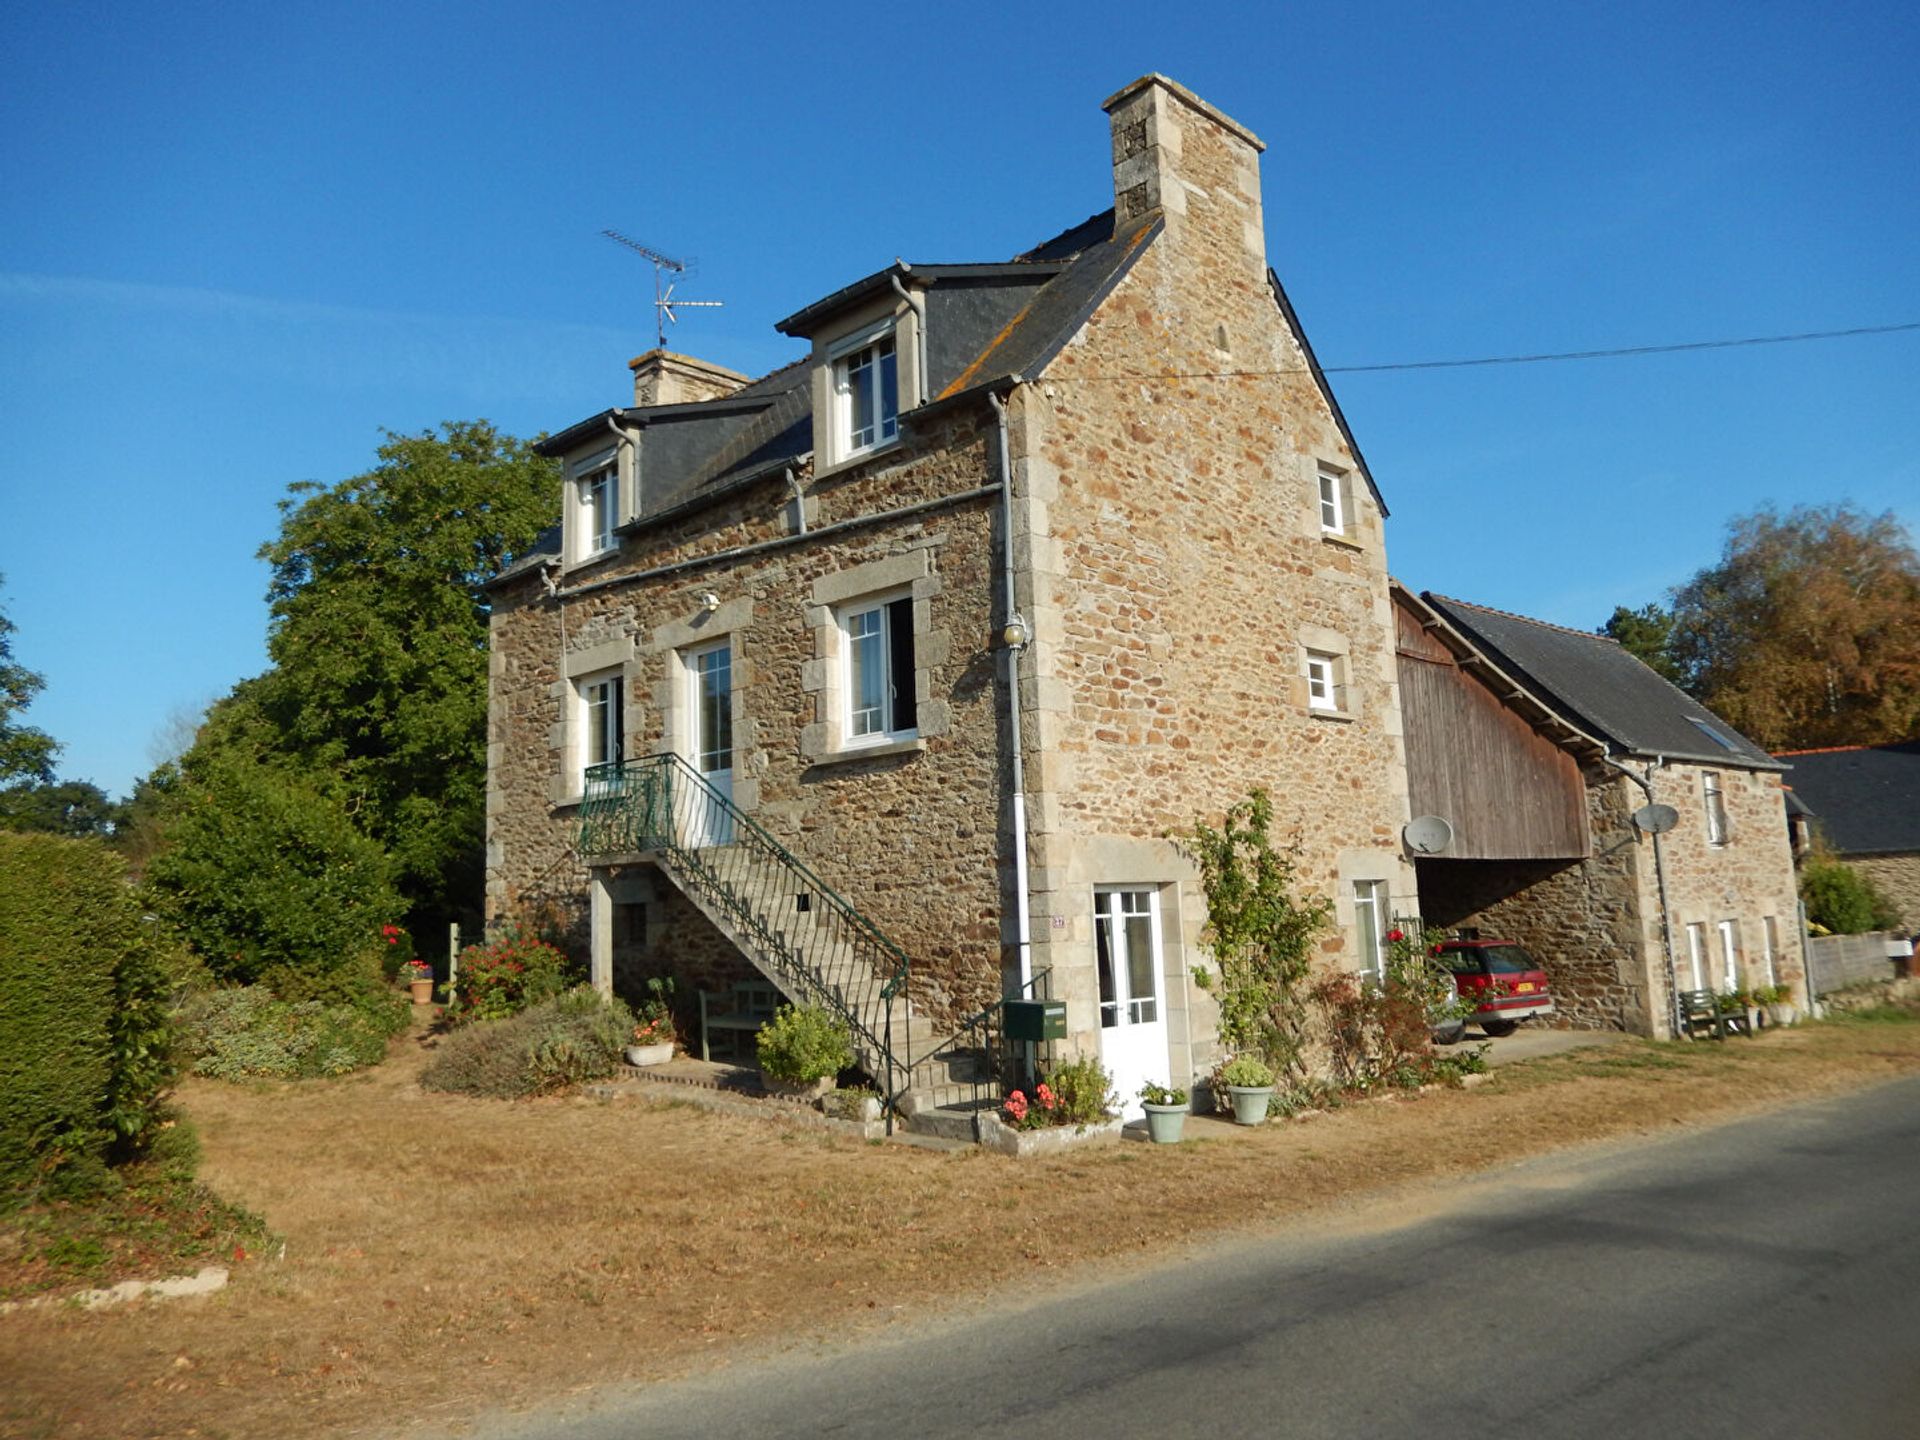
(1342, 541)
(868, 752)
(853, 462)
(1344, 717)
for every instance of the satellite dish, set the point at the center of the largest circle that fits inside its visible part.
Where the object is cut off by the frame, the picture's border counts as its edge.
(1655, 819)
(1427, 834)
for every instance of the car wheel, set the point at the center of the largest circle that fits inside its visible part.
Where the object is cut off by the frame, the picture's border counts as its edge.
(1499, 1029)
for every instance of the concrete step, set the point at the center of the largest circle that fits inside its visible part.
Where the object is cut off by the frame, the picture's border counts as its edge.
(950, 1122)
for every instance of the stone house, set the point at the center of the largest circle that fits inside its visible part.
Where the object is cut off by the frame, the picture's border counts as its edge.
(1541, 746)
(888, 675)
(1863, 803)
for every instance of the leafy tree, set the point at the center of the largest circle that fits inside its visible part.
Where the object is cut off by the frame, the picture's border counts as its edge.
(73, 808)
(267, 878)
(377, 698)
(1646, 633)
(1807, 632)
(25, 753)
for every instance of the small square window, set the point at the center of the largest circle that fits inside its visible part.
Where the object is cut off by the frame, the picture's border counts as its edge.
(866, 385)
(1323, 682)
(877, 639)
(1333, 502)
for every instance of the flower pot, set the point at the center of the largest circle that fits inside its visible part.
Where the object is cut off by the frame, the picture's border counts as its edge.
(1781, 1013)
(1753, 1020)
(650, 1054)
(422, 991)
(1164, 1123)
(1250, 1103)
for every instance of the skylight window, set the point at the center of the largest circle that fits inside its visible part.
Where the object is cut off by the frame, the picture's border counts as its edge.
(1712, 734)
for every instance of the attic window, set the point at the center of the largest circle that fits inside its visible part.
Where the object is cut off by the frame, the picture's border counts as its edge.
(1712, 734)
(866, 394)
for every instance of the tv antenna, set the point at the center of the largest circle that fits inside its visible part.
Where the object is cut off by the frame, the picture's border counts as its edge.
(663, 302)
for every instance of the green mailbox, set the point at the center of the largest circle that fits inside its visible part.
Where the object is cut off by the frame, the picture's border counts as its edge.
(1036, 1020)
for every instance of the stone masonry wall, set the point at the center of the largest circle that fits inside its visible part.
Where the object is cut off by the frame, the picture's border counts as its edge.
(1167, 488)
(1898, 878)
(908, 837)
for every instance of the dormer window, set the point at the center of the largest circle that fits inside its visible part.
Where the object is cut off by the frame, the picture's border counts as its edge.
(866, 390)
(596, 508)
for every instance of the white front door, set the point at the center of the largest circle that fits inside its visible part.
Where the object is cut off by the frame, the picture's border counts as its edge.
(710, 691)
(1133, 1018)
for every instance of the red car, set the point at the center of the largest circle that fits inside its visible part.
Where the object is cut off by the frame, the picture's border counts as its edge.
(1505, 983)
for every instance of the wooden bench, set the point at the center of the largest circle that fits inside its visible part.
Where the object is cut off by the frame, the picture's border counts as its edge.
(737, 1013)
(1700, 1010)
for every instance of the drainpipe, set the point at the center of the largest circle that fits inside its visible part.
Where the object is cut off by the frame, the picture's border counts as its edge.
(918, 305)
(1017, 636)
(1660, 875)
(623, 440)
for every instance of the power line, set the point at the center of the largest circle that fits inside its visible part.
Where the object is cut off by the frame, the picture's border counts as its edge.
(1617, 353)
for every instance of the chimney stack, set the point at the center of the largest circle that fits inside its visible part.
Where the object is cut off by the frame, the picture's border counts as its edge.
(661, 377)
(1177, 156)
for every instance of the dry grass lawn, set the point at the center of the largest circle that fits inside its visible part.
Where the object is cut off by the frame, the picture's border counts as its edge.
(443, 1255)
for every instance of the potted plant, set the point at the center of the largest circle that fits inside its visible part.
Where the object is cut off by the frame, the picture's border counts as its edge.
(1250, 1083)
(652, 1042)
(1166, 1109)
(1749, 1000)
(801, 1050)
(1778, 1000)
(419, 977)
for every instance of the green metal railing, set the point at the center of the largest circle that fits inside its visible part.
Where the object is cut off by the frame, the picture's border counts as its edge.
(815, 945)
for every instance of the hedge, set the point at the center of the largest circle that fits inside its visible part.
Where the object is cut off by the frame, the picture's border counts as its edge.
(85, 1045)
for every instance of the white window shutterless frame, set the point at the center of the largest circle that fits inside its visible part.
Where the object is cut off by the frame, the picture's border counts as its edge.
(879, 676)
(1133, 1020)
(866, 389)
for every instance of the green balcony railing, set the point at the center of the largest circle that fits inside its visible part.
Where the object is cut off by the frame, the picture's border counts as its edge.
(815, 945)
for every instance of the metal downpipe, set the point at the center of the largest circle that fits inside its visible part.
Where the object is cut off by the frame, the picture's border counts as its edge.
(1023, 917)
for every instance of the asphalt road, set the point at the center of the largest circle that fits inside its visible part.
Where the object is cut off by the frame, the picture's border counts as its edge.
(1755, 1280)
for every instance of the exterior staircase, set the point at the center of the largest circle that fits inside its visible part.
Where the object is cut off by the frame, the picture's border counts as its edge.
(795, 930)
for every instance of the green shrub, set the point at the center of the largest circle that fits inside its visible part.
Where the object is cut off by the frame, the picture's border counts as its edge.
(247, 1032)
(803, 1043)
(573, 1037)
(264, 876)
(86, 1051)
(1246, 1072)
(1842, 900)
(508, 972)
(1084, 1092)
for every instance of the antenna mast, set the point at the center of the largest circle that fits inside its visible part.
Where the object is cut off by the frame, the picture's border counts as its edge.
(663, 301)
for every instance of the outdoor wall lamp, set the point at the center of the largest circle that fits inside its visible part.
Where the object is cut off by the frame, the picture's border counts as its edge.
(1017, 636)
(709, 602)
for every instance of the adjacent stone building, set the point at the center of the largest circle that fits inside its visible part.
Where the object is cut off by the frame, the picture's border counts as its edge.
(1541, 747)
(1863, 802)
(920, 649)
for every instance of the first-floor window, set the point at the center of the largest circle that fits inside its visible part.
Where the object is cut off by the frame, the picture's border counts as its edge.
(1369, 928)
(1333, 503)
(603, 721)
(1697, 953)
(1323, 690)
(1730, 953)
(1127, 947)
(881, 703)
(1716, 808)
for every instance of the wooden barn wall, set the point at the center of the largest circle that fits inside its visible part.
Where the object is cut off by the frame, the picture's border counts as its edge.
(1511, 793)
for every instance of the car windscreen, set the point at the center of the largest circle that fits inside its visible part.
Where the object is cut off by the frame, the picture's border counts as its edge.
(1507, 960)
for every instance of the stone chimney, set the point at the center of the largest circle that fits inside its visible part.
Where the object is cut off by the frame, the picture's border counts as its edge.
(661, 377)
(1176, 156)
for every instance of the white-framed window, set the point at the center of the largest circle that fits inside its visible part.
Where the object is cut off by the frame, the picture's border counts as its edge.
(1333, 502)
(1770, 939)
(595, 509)
(1370, 929)
(866, 395)
(1716, 803)
(1126, 937)
(1697, 954)
(602, 720)
(1323, 681)
(877, 679)
(1729, 954)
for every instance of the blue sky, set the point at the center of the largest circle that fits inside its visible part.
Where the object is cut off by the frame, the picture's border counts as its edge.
(238, 242)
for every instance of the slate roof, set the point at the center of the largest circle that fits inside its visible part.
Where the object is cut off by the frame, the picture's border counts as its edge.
(1604, 689)
(1866, 798)
(987, 325)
